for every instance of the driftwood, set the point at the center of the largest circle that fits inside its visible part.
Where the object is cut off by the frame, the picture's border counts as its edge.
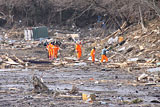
(39, 86)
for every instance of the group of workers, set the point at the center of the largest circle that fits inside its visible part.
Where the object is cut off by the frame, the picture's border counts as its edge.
(103, 55)
(53, 49)
(104, 50)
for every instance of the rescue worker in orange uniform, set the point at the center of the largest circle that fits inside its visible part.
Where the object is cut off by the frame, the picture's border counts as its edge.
(55, 52)
(78, 50)
(104, 57)
(50, 51)
(93, 54)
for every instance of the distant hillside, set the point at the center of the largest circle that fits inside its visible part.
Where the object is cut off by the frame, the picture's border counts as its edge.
(79, 13)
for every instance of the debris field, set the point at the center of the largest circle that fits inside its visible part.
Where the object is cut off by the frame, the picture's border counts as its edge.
(130, 78)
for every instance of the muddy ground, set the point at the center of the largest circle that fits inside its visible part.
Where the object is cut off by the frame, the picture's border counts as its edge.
(113, 87)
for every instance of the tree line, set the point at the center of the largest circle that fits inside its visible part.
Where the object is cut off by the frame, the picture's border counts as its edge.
(82, 13)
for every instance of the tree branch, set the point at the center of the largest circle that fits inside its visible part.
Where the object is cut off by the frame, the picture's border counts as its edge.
(153, 6)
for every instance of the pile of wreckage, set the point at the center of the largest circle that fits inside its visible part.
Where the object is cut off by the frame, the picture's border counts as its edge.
(30, 38)
(131, 50)
(138, 51)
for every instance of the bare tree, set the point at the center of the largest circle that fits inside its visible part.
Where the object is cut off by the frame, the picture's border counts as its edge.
(152, 4)
(141, 19)
(81, 12)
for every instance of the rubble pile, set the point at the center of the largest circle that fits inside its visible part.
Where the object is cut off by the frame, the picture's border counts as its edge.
(138, 49)
(133, 66)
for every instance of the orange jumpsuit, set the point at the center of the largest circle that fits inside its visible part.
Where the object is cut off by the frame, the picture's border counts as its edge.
(120, 39)
(56, 48)
(50, 50)
(104, 55)
(93, 55)
(79, 51)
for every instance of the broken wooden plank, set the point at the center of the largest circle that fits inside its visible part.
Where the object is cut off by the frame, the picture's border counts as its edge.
(9, 60)
(143, 78)
(146, 64)
(19, 60)
(12, 63)
(150, 83)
